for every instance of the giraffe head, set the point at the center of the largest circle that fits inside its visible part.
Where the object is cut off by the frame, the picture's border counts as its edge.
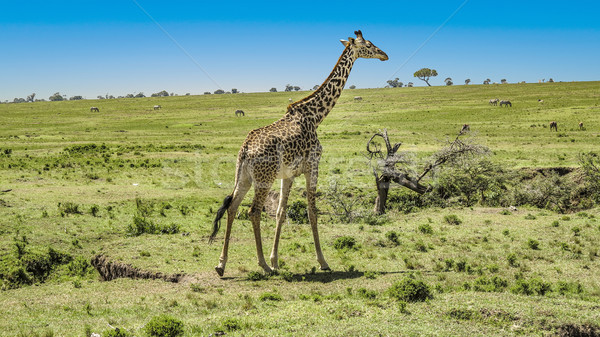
(364, 48)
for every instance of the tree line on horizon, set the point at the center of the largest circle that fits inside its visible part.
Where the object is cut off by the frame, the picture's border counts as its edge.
(424, 74)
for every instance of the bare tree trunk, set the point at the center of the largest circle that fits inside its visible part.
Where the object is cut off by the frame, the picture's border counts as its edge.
(383, 187)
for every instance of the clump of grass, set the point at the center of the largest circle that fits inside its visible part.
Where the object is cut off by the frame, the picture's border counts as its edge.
(425, 228)
(164, 326)
(511, 258)
(533, 244)
(68, 208)
(345, 243)
(495, 284)
(142, 225)
(452, 219)
(555, 223)
(368, 294)
(392, 238)
(410, 290)
(530, 216)
(256, 276)
(268, 296)
(116, 332)
(534, 286)
(230, 324)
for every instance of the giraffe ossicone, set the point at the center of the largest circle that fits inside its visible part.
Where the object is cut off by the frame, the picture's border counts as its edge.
(285, 150)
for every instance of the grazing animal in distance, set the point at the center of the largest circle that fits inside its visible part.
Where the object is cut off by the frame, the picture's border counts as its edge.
(553, 125)
(239, 113)
(540, 101)
(580, 125)
(284, 150)
(506, 103)
(494, 101)
(92, 109)
(465, 128)
(357, 98)
(157, 107)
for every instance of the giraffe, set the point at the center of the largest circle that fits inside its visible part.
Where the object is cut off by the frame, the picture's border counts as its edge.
(285, 150)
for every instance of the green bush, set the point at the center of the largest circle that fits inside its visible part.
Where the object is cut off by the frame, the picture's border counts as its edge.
(452, 219)
(297, 212)
(164, 326)
(393, 238)
(79, 266)
(533, 244)
(534, 286)
(345, 243)
(410, 290)
(425, 229)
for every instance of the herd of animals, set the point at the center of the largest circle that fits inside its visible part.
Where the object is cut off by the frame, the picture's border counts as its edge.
(465, 128)
(507, 103)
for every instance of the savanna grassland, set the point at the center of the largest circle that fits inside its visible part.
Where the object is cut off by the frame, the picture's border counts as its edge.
(141, 186)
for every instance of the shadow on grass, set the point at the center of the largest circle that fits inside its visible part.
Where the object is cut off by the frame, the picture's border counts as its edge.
(330, 276)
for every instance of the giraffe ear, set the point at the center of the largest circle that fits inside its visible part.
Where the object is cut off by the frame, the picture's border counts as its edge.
(345, 43)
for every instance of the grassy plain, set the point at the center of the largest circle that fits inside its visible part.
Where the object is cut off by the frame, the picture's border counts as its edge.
(180, 160)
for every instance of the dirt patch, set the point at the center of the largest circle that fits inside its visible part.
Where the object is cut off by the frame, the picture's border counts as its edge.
(112, 270)
(578, 330)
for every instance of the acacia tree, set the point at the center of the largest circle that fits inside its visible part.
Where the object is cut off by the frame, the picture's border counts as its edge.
(448, 81)
(395, 83)
(393, 166)
(424, 74)
(467, 81)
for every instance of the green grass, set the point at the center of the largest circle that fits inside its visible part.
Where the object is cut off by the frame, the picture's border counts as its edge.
(79, 180)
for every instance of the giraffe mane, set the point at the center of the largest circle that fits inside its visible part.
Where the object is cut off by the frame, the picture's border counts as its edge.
(307, 98)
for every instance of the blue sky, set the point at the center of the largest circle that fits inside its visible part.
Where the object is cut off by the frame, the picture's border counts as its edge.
(92, 48)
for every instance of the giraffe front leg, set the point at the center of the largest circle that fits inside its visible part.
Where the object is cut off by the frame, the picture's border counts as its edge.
(311, 189)
(286, 185)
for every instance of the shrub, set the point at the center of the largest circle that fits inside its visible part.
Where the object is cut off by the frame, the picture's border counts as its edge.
(256, 276)
(79, 266)
(495, 284)
(164, 326)
(231, 324)
(534, 286)
(512, 260)
(368, 294)
(452, 219)
(410, 290)
(345, 243)
(297, 212)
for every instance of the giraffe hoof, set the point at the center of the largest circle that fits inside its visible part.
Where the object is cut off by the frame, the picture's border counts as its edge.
(326, 268)
(220, 270)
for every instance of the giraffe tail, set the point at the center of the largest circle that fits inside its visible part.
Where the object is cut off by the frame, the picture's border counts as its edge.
(220, 213)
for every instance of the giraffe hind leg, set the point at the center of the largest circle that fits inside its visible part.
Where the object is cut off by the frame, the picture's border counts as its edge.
(260, 194)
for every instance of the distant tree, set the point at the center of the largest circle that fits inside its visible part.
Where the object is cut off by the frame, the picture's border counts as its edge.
(19, 100)
(219, 91)
(550, 80)
(56, 97)
(424, 74)
(503, 81)
(101, 97)
(350, 87)
(410, 84)
(163, 93)
(448, 81)
(31, 97)
(395, 83)
(317, 87)
(467, 81)
(187, 93)
(129, 96)
(234, 91)
(289, 87)
(487, 81)
(75, 98)
(110, 96)
(296, 88)
(140, 95)
(207, 93)
(273, 90)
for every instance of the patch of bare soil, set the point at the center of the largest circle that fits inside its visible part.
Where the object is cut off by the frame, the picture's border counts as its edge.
(112, 270)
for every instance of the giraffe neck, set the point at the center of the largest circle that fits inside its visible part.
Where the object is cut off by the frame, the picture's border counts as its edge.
(317, 105)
